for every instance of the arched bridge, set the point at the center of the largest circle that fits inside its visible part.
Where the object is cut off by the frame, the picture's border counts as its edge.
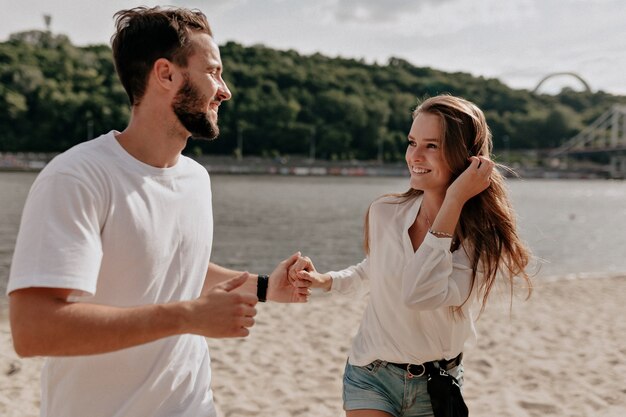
(584, 83)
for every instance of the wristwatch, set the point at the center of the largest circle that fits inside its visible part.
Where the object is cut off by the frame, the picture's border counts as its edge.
(261, 287)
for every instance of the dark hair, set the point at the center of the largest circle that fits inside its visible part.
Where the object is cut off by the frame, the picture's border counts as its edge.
(144, 35)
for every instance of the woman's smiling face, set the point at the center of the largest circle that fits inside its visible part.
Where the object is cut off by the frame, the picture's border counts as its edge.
(424, 154)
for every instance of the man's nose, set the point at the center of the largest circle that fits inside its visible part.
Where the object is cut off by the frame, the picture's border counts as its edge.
(223, 92)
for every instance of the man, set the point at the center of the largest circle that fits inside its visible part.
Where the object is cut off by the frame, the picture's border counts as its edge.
(111, 276)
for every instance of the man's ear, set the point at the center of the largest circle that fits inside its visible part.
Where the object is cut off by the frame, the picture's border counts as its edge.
(163, 71)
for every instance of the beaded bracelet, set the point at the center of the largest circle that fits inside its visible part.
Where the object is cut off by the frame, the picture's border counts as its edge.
(439, 234)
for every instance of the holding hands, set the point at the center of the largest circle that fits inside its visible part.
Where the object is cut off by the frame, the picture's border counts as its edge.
(302, 274)
(281, 288)
(228, 308)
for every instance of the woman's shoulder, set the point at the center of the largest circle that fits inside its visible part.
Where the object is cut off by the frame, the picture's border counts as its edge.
(391, 204)
(403, 200)
(393, 199)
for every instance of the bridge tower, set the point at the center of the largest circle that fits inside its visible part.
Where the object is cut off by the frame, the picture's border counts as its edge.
(606, 134)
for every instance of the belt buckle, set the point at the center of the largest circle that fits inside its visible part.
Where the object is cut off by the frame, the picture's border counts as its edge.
(411, 374)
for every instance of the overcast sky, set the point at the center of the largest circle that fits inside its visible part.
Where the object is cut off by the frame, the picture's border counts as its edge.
(517, 41)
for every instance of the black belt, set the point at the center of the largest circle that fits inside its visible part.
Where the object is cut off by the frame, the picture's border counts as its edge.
(419, 370)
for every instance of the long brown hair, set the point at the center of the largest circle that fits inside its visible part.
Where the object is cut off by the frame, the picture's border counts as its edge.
(487, 225)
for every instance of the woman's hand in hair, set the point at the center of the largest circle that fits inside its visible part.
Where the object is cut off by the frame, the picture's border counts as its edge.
(473, 181)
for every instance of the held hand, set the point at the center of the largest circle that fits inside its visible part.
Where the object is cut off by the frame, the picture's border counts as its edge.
(473, 181)
(280, 288)
(221, 312)
(314, 279)
(302, 263)
(304, 274)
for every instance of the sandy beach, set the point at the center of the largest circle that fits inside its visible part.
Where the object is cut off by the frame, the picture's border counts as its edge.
(558, 354)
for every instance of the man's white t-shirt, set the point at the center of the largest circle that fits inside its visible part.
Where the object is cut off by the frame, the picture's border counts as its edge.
(121, 233)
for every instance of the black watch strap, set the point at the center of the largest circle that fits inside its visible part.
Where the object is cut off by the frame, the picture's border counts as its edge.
(261, 287)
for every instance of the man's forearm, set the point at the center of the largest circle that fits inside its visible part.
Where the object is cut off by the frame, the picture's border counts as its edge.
(50, 326)
(217, 274)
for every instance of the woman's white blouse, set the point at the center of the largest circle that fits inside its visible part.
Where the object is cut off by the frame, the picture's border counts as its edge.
(408, 316)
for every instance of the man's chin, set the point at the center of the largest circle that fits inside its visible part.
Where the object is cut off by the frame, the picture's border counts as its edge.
(205, 136)
(207, 132)
(202, 138)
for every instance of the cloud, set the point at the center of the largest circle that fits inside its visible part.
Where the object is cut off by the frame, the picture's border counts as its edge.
(519, 41)
(373, 11)
(213, 6)
(430, 18)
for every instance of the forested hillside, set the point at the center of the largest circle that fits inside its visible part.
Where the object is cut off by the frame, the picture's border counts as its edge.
(54, 94)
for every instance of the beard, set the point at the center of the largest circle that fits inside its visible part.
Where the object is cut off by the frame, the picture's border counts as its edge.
(190, 105)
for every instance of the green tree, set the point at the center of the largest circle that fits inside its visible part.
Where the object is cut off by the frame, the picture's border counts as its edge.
(54, 94)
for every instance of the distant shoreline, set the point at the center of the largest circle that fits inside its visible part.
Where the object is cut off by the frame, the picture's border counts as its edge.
(298, 166)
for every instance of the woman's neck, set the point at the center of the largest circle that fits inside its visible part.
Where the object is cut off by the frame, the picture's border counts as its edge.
(430, 206)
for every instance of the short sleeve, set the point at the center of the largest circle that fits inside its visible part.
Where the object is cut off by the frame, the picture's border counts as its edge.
(58, 244)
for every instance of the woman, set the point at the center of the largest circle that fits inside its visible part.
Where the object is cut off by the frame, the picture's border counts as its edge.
(432, 253)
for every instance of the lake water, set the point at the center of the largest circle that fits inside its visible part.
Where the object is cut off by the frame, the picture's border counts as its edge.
(577, 228)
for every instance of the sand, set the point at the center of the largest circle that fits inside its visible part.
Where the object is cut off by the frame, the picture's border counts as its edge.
(559, 354)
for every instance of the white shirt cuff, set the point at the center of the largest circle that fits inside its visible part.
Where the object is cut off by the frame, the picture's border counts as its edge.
(435, 242)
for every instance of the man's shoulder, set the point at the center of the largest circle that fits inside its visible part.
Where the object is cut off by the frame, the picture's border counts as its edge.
(192, 163)
(85, 156)
(194, 168)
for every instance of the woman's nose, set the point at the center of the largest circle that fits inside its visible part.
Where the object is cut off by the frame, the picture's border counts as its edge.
(414, 153)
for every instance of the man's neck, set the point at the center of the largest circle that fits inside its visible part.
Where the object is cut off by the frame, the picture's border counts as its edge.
(153, 140)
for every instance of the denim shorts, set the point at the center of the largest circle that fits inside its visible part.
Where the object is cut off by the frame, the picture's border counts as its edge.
(385, 387)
